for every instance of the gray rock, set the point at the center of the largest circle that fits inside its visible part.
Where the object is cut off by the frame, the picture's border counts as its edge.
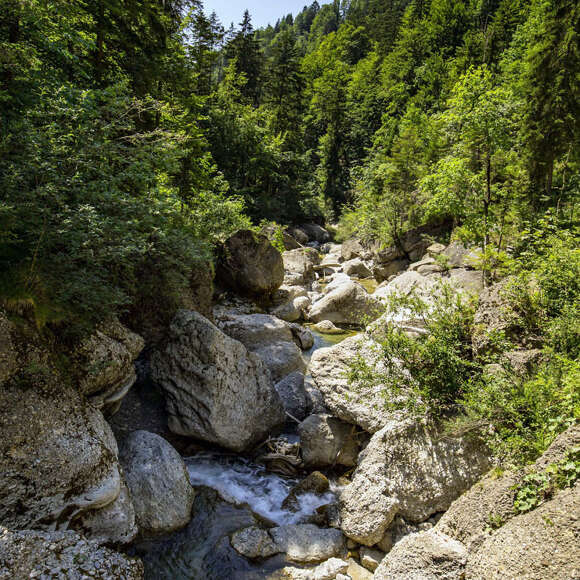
(467, 280)
(304, 543)
(537, 545)
(288, 311)
(424, 556)
(36, 554)
(271, 339)
(314, 483)
(350, 303)
(328, 570)
(408, 469)
(303, 337)
(382, 272)
(435, 249)
(315, 233)
(254, 542)
(327, 327)
(357, 572)
(299, 266)
(361, 404)
(307, 543)
(459, 256)
(294, 396)
(356, 268)
(250, 265)
(327, 441)
(114, 523)
(216, 390)
(404, 285)
(158, 482)
(104, 364)
(58, 456)
(352, 249)
(490, 502)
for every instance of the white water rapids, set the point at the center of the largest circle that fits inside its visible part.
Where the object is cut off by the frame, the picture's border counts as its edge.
(241, 482)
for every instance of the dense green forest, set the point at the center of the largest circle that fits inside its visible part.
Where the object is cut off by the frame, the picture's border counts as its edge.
(135, 135)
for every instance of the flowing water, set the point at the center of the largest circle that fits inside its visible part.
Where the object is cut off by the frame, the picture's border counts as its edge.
(232, 493)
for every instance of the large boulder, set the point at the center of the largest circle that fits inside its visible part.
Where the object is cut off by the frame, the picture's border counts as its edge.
(158, 481)
(270, 338)
(315, 233)
(299, 266)
(304, 543)
(294, 396)
(350, 303)
(58, 456)
(490, 502)
(425, 556)
(354, 402)
(537, 545)
(329, 570)
(104, 364)
(405, 284)
(250, 265)
(327, 441)
(38, 554)
(216, 390)
(408, 468)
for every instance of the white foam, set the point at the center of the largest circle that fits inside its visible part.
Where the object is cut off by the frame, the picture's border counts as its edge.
(240, 482)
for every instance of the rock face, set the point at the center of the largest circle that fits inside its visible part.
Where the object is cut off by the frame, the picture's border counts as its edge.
(490, 502)
(349, 303)
(299, 266)
(362, 405)
(537, 545)
(216, 390)
(35, 554)
(327, 441)
(294, 396)
(158, 481)
(304, 543)
(249, 264)
(271, 339)
(58, 456)
(407, 469)
(104, 364)
(114, 523)
(405, 284)
(491, 317)
(424, 556)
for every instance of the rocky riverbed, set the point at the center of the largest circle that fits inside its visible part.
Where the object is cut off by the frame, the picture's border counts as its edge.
(243, 451)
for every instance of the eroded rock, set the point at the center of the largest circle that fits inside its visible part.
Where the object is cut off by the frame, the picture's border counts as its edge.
(408, 468)
(216, 390)
(158, 482)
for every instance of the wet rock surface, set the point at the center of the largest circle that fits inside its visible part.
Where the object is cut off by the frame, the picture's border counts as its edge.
(158, 483)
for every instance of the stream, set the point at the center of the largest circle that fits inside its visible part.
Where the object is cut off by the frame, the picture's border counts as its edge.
(232, 493)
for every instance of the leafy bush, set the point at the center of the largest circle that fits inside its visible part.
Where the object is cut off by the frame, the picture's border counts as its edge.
(435, 367)
(522, 416)
(537, 487)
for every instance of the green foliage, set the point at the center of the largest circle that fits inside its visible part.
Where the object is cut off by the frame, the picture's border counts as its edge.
(433, 369)
(538, 487)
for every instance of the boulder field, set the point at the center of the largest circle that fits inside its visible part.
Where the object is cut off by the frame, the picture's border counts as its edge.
(390, 496)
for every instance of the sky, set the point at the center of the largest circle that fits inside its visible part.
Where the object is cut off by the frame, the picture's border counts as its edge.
(263, 12)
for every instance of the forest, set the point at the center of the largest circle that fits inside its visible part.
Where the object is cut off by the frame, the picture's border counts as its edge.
(291, 293)
(134, 135)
